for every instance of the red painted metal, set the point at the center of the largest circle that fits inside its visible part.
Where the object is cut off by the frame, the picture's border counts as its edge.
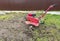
(30, 20)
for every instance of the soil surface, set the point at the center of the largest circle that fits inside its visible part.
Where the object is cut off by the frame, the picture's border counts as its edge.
(16, 30)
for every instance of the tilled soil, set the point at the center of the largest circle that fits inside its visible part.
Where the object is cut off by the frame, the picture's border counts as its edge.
(16, 30)
(13, 30)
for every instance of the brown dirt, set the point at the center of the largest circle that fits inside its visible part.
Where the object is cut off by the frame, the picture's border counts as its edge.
(15, 30)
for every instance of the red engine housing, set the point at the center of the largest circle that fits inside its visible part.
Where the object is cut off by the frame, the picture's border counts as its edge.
(32, 20)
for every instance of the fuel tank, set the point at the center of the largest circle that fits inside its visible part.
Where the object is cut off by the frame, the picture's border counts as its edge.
(29, 4)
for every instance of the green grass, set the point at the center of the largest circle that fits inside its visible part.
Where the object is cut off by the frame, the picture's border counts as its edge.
(10, 15)
(51, 21)
(4, 17)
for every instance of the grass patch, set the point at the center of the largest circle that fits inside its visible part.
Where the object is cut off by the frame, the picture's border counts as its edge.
(10, 15)
(51, 21)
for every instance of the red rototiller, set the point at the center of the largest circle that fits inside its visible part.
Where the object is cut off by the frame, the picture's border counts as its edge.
(31, 20)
